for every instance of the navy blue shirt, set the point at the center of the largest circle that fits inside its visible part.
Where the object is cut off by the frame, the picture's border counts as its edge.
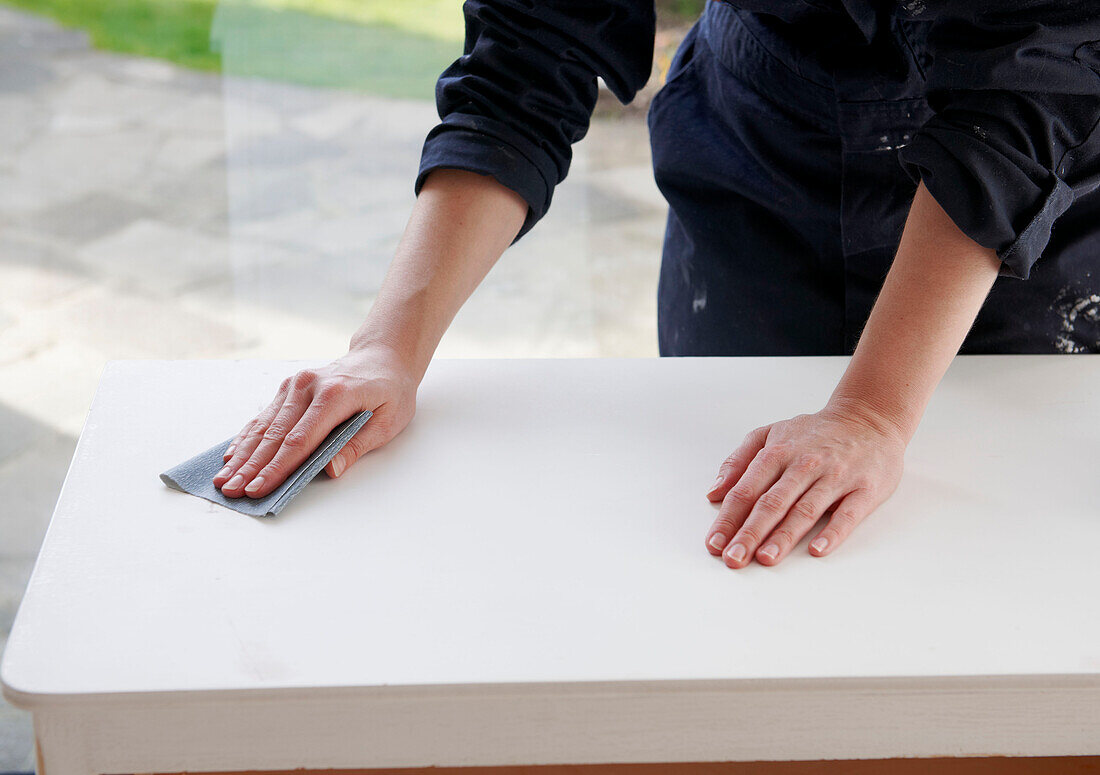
(1014, 86)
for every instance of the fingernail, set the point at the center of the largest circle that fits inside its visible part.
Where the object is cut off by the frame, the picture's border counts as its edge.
(771, 551)
(718, 541)
(338, 465)
(255, 484)
(717, 481)
(224, 472)
(234, 483)
(232, 447)
(736, 552)
(819, 544)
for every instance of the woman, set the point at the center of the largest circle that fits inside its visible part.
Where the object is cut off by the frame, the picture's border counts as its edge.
(898, 182)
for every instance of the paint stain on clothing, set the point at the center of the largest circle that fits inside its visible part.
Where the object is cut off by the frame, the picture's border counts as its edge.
(699, 300)
(1080, 322)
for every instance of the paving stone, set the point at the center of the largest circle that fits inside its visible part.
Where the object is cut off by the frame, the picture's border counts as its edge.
(27, 77)
(182, 153)
(246, 116)
(54, 384)
(131, 69)
(16, 735)
(286, 148)
(15, 571)
(151, 257)
(279, 98)
(90, 101)
(197, 200)
(38, 34)
(87, 217)
(352, 190)
(30, 478)
(19, 433)
(185, 114)
(263, 194)
(22, 117)
(35, 270)
(126, 325)
(332, 119)
(57, 167)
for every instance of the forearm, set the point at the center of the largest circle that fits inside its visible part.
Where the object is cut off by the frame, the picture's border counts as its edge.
(460, 225)
(929, 300)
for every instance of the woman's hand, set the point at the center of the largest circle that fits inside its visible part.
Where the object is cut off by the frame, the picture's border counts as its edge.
(785, 476)
(308, 406)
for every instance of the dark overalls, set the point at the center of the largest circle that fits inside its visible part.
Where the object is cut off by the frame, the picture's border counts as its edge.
(787, 200)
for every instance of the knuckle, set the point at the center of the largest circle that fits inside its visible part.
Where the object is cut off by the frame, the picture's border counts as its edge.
(808, 463)
(845, 519)
(383, 428)
(286, 384)
(330, 390)
(296, 439)
(740, 495)
(356, 446)
(771, 501)
(267, 470)
(783, 537)
(749, 533)
(304, 379)
(274, 432)
(723, 525)
(248, 470)
(773, 453)
(804, 511)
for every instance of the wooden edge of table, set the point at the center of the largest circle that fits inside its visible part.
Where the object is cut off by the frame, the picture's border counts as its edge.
(992, 765)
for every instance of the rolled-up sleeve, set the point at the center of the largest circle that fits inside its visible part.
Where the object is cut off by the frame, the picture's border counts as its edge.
(1015, 92)
(526, 85)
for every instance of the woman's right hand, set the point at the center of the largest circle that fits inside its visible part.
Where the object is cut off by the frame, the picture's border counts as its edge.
(308, 406)
(461, 223)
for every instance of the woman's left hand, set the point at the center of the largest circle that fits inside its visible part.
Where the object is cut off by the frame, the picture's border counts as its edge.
(786, 475)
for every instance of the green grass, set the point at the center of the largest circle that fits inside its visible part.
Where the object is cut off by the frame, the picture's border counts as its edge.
(390, 47)
(316, 50)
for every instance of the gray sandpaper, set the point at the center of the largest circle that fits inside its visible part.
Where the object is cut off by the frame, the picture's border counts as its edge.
(196, 476)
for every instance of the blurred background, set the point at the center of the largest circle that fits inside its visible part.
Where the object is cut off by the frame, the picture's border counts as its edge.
(203, 179)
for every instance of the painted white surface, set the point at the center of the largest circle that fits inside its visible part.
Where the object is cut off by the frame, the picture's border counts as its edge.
(542, 522)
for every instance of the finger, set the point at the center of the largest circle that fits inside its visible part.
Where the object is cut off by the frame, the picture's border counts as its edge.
(770, 509)
(734, 465)
(325, 413)
(800, 519)
(377, 431)
(296, 404)
(764, 470)
(271, 409)
(250, 439)
(852, 510)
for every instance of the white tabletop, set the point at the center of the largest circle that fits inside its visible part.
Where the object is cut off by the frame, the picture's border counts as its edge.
(542, 521)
